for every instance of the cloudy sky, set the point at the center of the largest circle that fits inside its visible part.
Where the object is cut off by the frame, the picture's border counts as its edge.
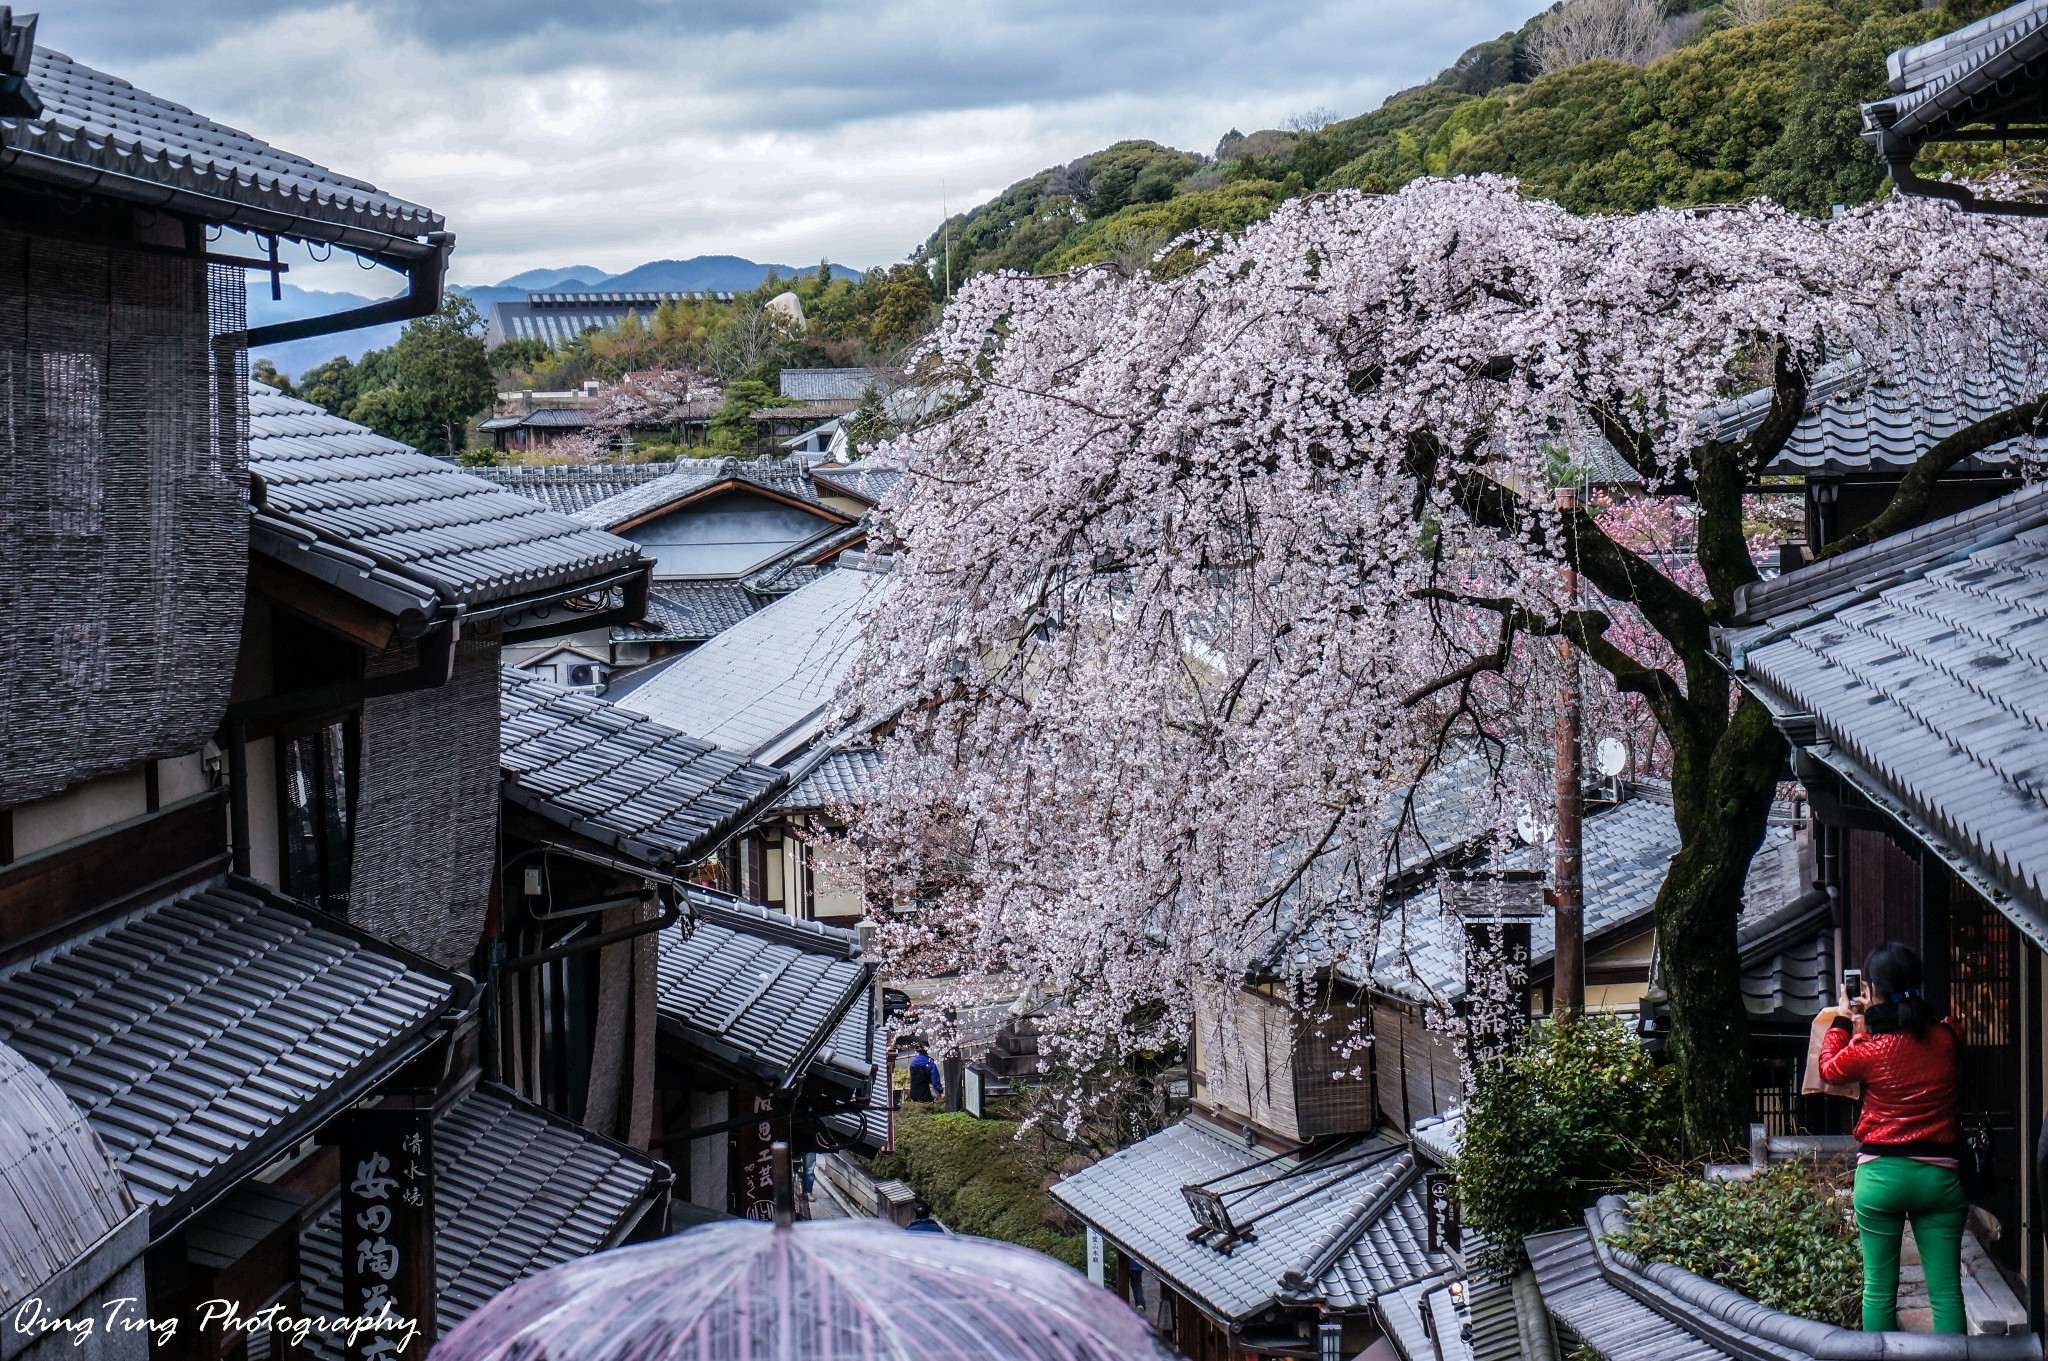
(611, 132)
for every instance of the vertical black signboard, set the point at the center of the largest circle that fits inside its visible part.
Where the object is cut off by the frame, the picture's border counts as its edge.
(387, 1231)
(1440, 1202)
(1497, 909)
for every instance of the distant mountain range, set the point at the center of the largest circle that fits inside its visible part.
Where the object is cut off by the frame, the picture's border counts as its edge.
(716, 273)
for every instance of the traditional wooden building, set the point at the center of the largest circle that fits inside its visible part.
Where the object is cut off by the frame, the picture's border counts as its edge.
(770, 1029)
(639, 1003)
(245, 882)
(1409, 964)
(606, 815)
(1266, 1221)
(766, 689)
(1904, 674)
(729, 536)
(531, 429)
(718, 519)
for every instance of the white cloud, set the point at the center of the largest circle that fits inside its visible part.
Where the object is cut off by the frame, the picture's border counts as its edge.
(622, 132)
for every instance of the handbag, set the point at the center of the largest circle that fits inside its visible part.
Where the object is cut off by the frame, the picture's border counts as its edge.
(1813, 1082)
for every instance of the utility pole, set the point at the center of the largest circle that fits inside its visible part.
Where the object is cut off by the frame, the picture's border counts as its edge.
(1568, 888)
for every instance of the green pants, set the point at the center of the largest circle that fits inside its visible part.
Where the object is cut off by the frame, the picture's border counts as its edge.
(1890, 1191)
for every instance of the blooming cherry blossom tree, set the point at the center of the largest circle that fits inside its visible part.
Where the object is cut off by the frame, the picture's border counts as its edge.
(1203, 570)
(648, 399)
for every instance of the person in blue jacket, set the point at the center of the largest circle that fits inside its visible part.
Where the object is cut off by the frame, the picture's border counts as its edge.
(925, 1082)
(923, 1223)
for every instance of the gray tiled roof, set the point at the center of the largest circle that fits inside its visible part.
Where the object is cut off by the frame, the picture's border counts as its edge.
(516, 1190)
(1449, 815)
(865, 479)
(645, 498)
(1611, 1321)
(760, 991)
(1788, 959)
(654, 794)
(1451, 812)
(803, 563)
(765, 686)
(785, 576)
(571, 487)
(1364, 1227)
(99, 132)
(840, 780)
(1851, 425)
(1886, 562)
(59, 1192)
(784, 477)
(202, 1035)
(402, 530)
(689, 612)
(826, 385)
(1931, 696)
(1438, 1136)
(1401, 1312)
(1628, 847)
(541, 418)
(1968, 76)
(789, 475)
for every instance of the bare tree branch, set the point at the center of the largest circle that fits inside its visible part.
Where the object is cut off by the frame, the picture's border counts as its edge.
(1618, 572)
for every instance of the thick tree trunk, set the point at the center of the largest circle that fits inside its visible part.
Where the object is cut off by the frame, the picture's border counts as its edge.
(1722, 806)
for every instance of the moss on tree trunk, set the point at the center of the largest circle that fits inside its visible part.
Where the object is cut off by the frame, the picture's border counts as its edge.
(1722, 806)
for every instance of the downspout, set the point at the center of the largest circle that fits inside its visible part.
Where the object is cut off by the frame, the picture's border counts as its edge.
(1898, 153)
(238, 796)
(426, 277)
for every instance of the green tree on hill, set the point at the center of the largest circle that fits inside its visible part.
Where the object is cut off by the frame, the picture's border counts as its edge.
(732, 428)
(1135, 172)
(904, 308)
(1767, 107)
(331, 384)
(1131, 236)
(423, 390)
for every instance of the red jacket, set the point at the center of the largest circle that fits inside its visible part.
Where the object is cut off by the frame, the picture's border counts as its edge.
(1911, 1088)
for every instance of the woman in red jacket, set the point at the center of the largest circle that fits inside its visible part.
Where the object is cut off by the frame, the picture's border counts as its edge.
(1911, 1128)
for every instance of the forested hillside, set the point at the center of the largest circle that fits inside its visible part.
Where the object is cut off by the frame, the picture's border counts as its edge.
(1732, 110)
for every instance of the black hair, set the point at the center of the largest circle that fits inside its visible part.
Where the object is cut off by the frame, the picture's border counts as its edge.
(1897, 983)
(920, 1209)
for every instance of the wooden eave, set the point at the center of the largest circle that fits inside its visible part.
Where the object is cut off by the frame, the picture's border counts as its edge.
(315, 600)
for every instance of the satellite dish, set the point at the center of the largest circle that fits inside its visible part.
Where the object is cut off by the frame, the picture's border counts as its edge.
(1610, 758)
(1528, 828)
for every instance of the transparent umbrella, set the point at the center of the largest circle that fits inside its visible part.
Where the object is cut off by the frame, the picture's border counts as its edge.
(745, 1290)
